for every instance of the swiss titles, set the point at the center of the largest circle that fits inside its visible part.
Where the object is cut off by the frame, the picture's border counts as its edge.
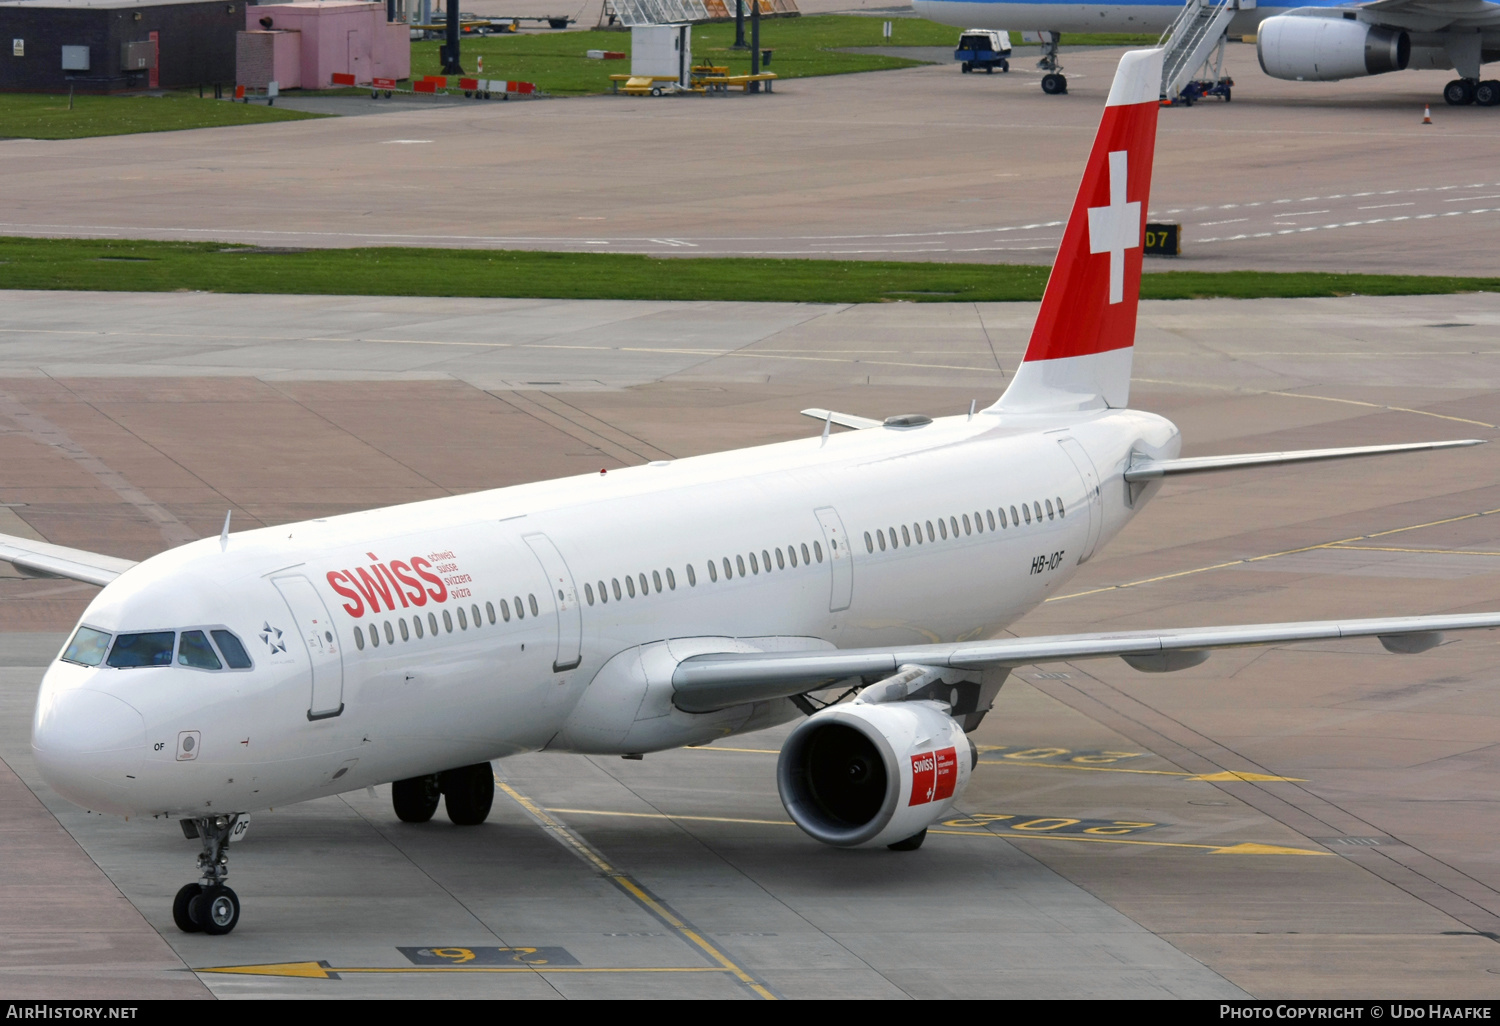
(396, 584)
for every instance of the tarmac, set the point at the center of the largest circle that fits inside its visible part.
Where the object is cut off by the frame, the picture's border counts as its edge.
(924, 163)
(1299, 821)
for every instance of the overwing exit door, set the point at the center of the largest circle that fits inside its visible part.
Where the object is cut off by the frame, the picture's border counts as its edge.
(314, 626)
(840, 559)
(564, 598)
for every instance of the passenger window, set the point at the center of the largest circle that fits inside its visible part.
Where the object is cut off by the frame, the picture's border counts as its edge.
(405, 633)
(447, 621)
(967, 528)
(791, 555)
(416, 623)
(630, 586)
(930, 535)
(87, 647)
(943, 529)
(880, 536)
(656, 581)
(432, 624)
(489, 609)
(1027, 510)
(1013, 518)
(692, 577)
(1049, 509)
(1037, 508)
(869, 542)
(374, 635)
(916, 530)
(195, 651)
(728, 570)
(644, 590)
(603, 592)
(713, 573)
(231, 648)
(765, 558)
(531, 601)
(390, 635)
(818, 551)
(989, 515)
(1003, 524)
(359, 639)
(805, 557)
(463, 621)
(474, 612)
(780, 559)
(905, 536)
(505, 610)
(953, 521)
(588, 592)
(615, 584)
(520, 609)
(136, 650)
(739, 564)
(891, 533)
(754, 564)
(1060, 511)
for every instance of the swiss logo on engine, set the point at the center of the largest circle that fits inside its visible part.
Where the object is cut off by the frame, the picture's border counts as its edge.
(933, 776)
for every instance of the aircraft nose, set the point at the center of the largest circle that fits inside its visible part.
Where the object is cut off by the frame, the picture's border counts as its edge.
(89, 746)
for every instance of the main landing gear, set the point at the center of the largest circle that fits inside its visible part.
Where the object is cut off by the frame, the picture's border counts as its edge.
(1463, 91)
(468, 793)
(208, 906)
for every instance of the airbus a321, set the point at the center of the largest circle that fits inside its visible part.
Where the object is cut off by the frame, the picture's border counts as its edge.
(663, 605)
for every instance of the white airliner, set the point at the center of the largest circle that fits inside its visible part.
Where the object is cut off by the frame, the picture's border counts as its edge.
(658, 606)
(1315, 41)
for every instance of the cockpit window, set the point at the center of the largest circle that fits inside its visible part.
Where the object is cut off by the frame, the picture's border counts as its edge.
(87, 647)
(153, 649)
(194, 650)
(234, 652)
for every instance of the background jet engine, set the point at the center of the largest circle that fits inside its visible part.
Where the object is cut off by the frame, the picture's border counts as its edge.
(1328, 49)
(865, 773)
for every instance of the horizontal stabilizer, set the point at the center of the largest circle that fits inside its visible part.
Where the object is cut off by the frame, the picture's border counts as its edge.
(847, 420)
(1149, 470)
(720, 680)
(43, 559)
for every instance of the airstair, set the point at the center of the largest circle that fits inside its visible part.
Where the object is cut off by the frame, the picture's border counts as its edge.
(1196, 37)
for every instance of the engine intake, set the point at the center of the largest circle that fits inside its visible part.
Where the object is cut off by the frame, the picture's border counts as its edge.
(1315, 49)
(873, 773)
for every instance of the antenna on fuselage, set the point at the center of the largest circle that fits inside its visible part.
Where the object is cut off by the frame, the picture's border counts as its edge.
(827, 427)
(972, 404)
(224, 534)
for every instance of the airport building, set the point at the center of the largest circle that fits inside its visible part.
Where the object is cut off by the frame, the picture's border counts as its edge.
(107, 46)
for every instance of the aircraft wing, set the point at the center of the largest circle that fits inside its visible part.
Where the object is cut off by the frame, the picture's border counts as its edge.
(43, 559)
(1147, 470)
(703, 683)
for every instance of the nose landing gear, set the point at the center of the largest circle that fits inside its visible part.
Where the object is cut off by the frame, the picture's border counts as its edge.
(208, 906)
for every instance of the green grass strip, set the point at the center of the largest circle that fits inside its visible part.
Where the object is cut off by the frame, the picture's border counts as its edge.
(147, 266)
(43, 116)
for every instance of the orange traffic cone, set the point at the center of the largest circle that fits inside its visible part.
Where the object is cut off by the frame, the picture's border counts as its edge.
(1426, 114)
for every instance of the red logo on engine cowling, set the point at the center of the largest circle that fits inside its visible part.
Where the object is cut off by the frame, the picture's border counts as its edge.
(934, 775)
(384, 585)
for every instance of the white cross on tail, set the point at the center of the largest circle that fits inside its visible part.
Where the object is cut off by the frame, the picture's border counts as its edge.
(1117, 227)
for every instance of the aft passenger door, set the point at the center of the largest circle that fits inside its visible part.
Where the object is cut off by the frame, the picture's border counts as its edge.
(840, 559)
(564, 598)
(315, 627)
(1093, 498)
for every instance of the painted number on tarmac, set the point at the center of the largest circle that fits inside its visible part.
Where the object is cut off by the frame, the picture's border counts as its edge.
(1053, 824)
(1081, 758)
(456, 955)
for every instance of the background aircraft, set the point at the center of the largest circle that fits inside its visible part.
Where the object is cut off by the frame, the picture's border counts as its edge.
(663, 605)
(1314, 42)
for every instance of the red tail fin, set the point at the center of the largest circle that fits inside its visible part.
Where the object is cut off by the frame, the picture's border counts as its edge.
(1079, 355)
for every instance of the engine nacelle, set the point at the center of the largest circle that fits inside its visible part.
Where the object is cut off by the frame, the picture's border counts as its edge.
(1328, 49)
(863, 773)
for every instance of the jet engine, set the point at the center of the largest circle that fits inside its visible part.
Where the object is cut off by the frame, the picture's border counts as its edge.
(1328, 49)
(874, 772)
